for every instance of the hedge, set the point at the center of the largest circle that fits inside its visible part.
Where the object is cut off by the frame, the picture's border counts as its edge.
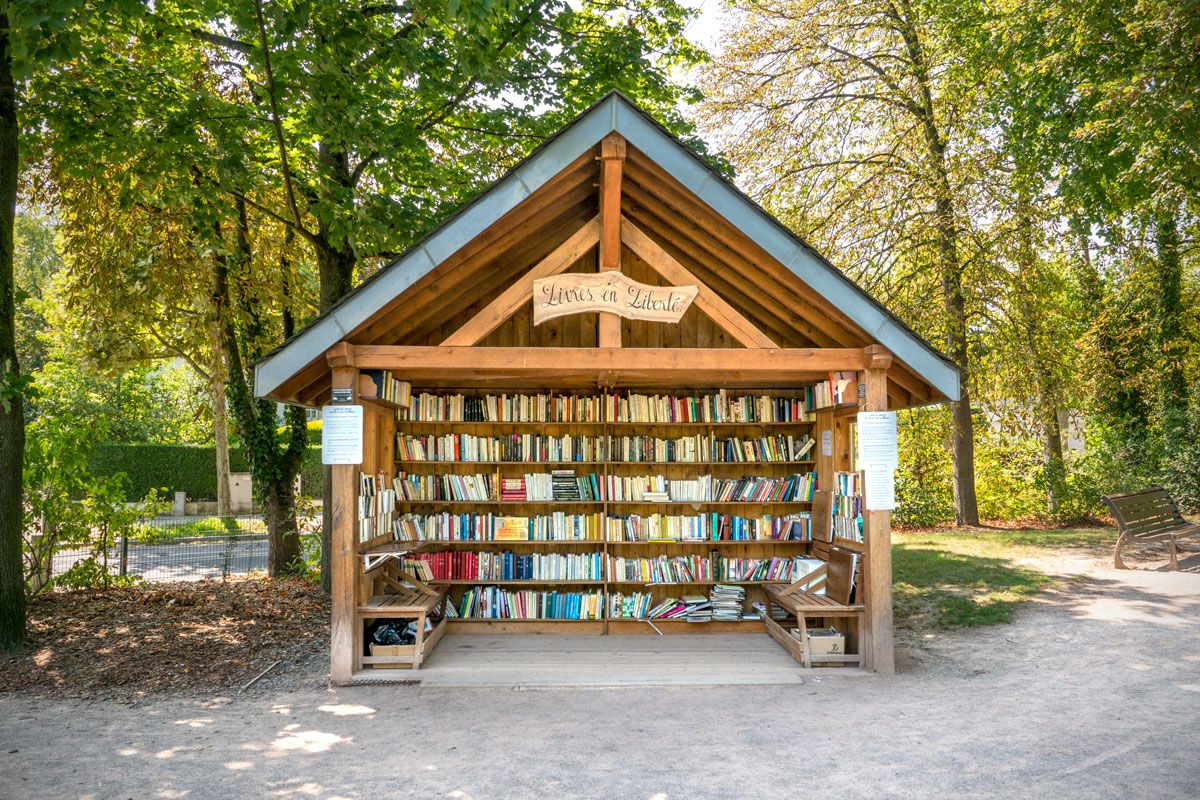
(184, 468)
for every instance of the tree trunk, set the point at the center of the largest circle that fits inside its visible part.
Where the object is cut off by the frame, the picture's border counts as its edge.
(335, 267)
(1173, 392)
(1045, 390)
(966, 509)
(12, 410)
(221, 436)
(279, 503)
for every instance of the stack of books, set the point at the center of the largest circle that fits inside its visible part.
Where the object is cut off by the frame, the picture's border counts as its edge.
(727, 600)
(698, 608)
(564, 485)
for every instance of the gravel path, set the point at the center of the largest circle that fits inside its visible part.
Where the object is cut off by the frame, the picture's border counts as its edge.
(1094, 692)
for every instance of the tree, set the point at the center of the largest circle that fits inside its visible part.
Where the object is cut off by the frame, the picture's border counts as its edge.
(12, 385)
(353, 127)
(848, 121)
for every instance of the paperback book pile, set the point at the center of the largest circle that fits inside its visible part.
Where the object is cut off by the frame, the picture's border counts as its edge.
(698, 608)
(727, 600)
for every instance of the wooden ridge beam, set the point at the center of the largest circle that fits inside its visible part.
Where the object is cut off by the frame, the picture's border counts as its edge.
(520, 292)
(707, 300)
(612, 162)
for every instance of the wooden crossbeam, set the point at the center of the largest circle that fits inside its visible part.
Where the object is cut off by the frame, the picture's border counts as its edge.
(612, 161)
(707, 300)
(511, 299)
(648, 365)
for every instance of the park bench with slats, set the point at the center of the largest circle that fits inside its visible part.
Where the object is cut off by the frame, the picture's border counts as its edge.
(1150, 516)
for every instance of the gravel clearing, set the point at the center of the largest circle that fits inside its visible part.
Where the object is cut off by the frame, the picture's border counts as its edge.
(1094, 692)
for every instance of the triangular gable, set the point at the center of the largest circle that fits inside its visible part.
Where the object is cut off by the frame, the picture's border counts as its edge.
(615, 113)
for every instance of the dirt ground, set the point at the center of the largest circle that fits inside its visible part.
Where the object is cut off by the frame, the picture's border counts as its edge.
(1093, 692)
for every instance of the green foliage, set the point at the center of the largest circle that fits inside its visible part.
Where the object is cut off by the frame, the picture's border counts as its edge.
(169, 468)
(185, 468)
(68, 506)
(923, 490)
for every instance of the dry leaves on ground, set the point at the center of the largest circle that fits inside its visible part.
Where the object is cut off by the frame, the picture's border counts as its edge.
(167, 637)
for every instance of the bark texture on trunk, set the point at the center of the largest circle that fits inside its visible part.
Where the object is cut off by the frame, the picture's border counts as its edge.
(221, 437)
(12, 410)
(1046, 391)
(279, 508)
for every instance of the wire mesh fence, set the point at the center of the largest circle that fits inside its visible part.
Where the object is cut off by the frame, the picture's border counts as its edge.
(186, 548)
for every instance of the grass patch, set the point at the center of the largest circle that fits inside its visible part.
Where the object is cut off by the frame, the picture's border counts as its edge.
(953, 579)
(203, 526)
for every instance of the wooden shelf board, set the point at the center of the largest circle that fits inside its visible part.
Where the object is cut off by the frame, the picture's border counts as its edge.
(692, 583)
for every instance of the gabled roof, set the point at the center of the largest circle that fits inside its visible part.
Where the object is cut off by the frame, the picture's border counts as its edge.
(614, 113)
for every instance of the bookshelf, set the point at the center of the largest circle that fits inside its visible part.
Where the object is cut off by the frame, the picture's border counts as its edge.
(703, 479)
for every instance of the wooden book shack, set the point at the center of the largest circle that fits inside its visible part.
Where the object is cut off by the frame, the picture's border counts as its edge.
(604, 387)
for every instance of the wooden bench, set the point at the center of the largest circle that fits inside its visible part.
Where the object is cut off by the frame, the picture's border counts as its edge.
(405, 597)
(802, 600)
(1149, 516)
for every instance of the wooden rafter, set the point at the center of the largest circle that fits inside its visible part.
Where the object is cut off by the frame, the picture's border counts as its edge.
(516, 295)
(612, 162)
(707, 300)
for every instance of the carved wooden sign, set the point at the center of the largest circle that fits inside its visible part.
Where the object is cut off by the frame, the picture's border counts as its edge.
(576, 293)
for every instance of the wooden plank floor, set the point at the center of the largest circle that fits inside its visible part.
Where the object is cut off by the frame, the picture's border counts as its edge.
(555, 661)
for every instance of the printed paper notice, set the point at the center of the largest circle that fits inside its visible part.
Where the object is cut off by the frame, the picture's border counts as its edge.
(877, 439)
(880, 488)
(826, 442)
(342, 435)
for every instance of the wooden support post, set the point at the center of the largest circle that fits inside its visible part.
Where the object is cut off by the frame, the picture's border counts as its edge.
(877, 525)
(345, 635)
(612, 162)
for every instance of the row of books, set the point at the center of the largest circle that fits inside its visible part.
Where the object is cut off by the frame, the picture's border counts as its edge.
(716, 407)
(376, 507)
(707, 447)
(534, 447)
(492, 602)
(562, 485)
(516, 447)
(765, 569)
(847, 522)
(842, 387)
(506, 566)
(661, 569)
(660, 488)
(509, 566)
(473, 527)
(562, 527)
(708, 527)
(388, 387)
(506, 408)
